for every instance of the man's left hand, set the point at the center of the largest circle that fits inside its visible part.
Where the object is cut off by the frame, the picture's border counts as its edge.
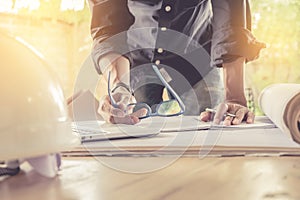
(242, 113)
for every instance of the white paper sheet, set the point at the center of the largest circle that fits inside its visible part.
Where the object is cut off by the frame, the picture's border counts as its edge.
(99, 130)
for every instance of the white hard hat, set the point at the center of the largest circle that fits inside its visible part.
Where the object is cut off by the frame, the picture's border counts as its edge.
(34, 120)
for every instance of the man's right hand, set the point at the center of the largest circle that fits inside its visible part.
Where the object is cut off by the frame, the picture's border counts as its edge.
(119, 68)
(119, 115)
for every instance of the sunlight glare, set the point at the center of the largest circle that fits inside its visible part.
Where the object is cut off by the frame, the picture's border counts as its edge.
(6, 5)
(75, 5)
(10, 7)
(30, 4)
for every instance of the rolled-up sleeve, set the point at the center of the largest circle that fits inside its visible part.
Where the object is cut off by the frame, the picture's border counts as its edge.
(232, 37)
(109, 18)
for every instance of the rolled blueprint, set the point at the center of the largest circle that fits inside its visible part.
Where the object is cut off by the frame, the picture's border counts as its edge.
(281, 103)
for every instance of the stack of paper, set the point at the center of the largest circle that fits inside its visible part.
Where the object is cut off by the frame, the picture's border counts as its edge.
(187, 135)
(157, 136)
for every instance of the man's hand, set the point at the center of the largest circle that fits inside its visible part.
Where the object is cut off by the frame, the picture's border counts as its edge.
(119, 115)
(242, 113)
(118, 66)
(233, 76)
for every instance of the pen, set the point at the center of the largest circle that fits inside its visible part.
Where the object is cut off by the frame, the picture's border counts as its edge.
(214, 111)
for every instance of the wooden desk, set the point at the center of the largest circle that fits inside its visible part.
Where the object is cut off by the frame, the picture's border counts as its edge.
(187, 178)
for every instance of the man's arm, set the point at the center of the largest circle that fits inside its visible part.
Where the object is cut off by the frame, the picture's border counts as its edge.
(119, 69)
(232, 37)
(118, 66)
(233, 74)
(235, 100)
(232, 45)
(110, 21)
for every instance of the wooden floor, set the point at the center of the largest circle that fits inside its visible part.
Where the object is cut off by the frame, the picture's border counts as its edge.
(187, 178)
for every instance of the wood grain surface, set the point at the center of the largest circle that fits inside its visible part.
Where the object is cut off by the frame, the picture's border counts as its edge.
(187, 178)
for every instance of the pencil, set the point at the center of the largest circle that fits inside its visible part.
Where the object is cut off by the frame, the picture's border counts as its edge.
(214, 111)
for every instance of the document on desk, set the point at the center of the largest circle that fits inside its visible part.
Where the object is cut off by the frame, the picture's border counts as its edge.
(192, 123)
(187, 135)
(99, 130)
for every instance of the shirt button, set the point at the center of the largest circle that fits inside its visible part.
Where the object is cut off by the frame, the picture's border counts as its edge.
(157, 62)
(163, 28)
(168, 8)
(160, 50)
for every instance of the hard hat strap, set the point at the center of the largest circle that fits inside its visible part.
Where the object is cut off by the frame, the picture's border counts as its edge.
(12, 168)
(5, 171)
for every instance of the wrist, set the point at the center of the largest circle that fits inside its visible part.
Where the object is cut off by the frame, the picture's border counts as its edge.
(106, 62)
(122, 85)
(240, 100)
(234, 82)
(118, 66)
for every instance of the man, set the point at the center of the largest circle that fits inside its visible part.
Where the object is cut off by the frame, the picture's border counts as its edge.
(130, 35)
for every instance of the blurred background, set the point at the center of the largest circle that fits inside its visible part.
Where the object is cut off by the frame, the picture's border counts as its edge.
(59, 30)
